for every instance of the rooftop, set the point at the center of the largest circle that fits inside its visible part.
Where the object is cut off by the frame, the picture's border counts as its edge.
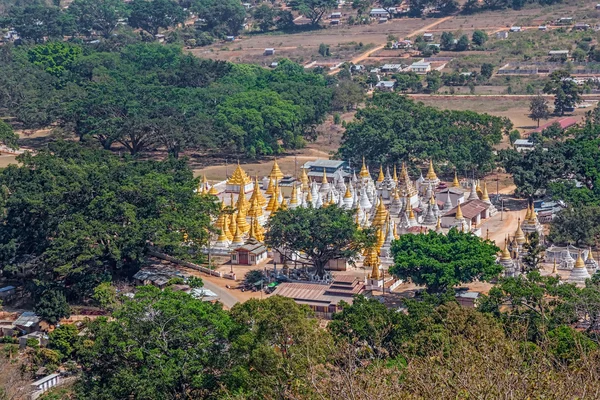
(344, 288)
(470, 209)
(27, 319)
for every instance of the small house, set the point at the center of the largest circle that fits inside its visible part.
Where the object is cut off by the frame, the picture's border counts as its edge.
(383, 20)
(335, 15)
(379, 13)
(420, 67)
(40, 338)
(247, 6)
(467, 299)
(402, 44)
(274, 64)
(160, 38)
(542, 28)
(7, 292)
(515, 29)
(269, 51)
(391, 67)
(43, 385)
(558, 53)
(565, 21)
(334, 22)
(428, 37)
(523, 145)
(502, 35)
(251, 253)
(581, 27)
(230, 38)
(27, 322)
(385, 86)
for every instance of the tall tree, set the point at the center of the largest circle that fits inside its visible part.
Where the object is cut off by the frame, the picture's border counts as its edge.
(441, 262)
(315, 9)
(161, 344)
(151, 15)
(534, 253)
(538, 109)
(322, 234)
(565, 90)
(479, 37)
(74, 217)
(100, 16)
(221, 16)
(7, 136)
(36, 22)
(265, 17)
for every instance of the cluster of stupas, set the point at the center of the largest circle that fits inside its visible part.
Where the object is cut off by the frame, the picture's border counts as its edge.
(391, 203)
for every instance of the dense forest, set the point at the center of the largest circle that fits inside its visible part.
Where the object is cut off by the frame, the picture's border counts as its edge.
(147, 96)
(392, 129)
(165, 344)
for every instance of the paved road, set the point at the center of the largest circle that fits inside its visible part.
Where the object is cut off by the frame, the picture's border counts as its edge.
(224, 294)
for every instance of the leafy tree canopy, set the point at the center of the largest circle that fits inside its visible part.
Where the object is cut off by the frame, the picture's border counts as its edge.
(393, 128)
(322, 234)
(441, 262)
(72, 216)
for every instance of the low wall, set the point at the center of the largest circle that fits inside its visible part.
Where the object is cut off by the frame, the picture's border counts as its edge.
(188, 264)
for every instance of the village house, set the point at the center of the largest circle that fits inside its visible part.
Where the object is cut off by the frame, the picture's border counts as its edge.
(515, 29)
(473, 211)
(502, 35)
(421, 67)
(27, 322)
(428, 37)
(269, 51)
(385, 86)
(379, 13)
(251, 253)
(43, 385)
(521, 145)
(391, 68)
(315, 169)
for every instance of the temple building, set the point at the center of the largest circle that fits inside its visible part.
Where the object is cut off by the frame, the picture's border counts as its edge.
(579, 273)
(239, 179)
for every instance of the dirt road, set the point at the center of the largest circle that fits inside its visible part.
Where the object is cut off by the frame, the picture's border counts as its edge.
(368, 53)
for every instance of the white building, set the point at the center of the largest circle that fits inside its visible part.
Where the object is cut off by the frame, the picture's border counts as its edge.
(420, 67)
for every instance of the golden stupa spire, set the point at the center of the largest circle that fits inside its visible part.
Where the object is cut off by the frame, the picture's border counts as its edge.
(232, 223)
(239, 177)
(304, 180)
(257, 194)
(324, 180)
(455, 182)
(283, 205)
(485, 196)
(204, 183)
(505, 256)
(242, 203)
(255, 209)
(579, 263)
(590, 255)
(431, 173)
(222, 236)
(411, 213)
(242, 224)
(348, 194)
(432, 200)
(554, 268)
(372, 260)
(226, 229)
(380, 214)
(294, 195)
(237, 237)
(380, 237)
(364, 172)
(270, 188)
(276, 173)
(259, 231)
(252, 232)
(309, 197)
(213, 191)
(528, 213)
(519, 235)
(396, 236)
(381, 177)
(395, 176)
(438, 226)
(459, 214)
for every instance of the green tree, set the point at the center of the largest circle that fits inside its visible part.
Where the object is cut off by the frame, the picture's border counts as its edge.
(479, 37)
(566, 91)
(463, 43)
(106, 296)
(100, 16)
(533, 253)
(221, 16)
(157, 344)
(36, 22)
(54, 57)
(447, 41)
(7, 136)
(434, 81)
(387, 5)
(577, 225)
(265, 17)
(579, 55)
(315, 9)
(322, 234)
(51, 305)
(347, 95)
(64, 340)
(324, 50)
(73, 215)
(487, 70)
(408, 81)
(155, 14)
(441, 262)
(538, 109)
